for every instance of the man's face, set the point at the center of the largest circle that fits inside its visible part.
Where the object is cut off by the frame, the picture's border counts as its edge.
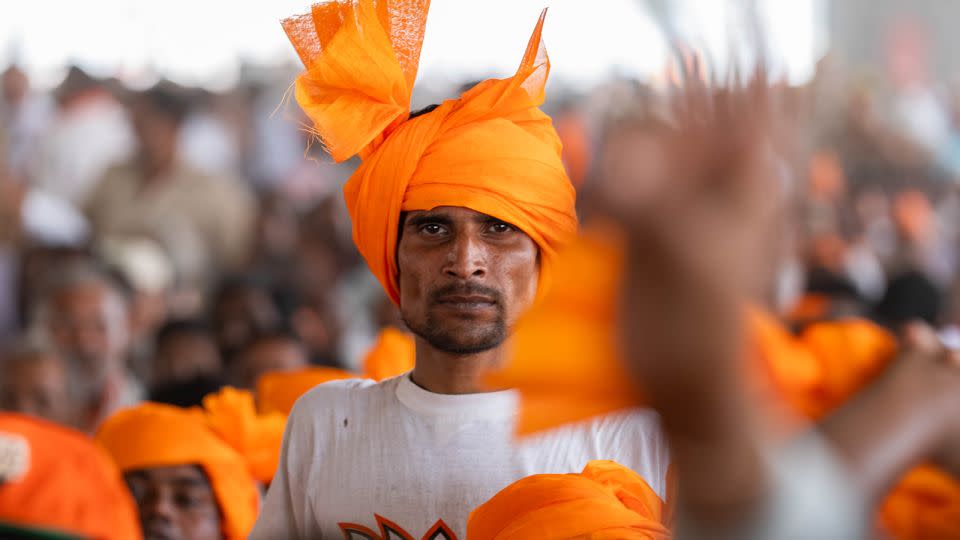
(156, 132)
(266, 356)
(175, 503)
(182, 357)
(36, 385)
(85, 322)
(465, 277)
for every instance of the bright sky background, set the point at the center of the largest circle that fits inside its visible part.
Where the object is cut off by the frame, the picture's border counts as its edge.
(203, 41)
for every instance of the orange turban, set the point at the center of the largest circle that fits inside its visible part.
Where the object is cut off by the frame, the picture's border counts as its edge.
(232, 415)
(393, 354)
(57, 479)
(154, 435)
(492, 150)
(277, 391)
(605, 501)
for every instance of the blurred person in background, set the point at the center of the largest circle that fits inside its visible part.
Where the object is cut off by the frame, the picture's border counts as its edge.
(185, 350)
(276, 238)
(269, 351)
(203, 222)
(85, 314)
(24, 116)
(145, 269)
(89, 133)
(335, 290)
(242, 306)
(35, 379)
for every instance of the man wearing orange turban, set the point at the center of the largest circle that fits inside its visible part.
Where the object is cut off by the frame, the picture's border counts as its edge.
(460, 212)
(55, 480)
(193, 472)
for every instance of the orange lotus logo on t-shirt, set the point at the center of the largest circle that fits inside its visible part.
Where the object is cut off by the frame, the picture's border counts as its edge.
(391, 531)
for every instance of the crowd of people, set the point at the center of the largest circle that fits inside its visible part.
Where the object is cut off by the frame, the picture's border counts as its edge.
(180, 269)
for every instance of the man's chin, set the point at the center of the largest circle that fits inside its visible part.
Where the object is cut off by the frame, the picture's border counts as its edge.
(465, 341)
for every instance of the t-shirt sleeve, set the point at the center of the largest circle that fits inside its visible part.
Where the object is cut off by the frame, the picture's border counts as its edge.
(283, 514)
(636, 440)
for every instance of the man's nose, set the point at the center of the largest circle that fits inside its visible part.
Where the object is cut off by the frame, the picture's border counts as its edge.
(467, 258)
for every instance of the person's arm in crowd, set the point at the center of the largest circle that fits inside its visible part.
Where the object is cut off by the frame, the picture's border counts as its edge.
(693, 242)
(910, 415)
(697, 250)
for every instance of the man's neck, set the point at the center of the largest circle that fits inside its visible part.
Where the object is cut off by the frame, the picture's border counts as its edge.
(447, 373)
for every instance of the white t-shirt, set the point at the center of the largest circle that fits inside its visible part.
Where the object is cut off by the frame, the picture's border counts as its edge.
(360, 458)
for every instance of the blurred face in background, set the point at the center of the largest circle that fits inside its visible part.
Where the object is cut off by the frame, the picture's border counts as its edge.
(184, 356)
(157, 134)
(271, 354)
(88, 321)
(239, 313)
(36, 384)
(175, 503)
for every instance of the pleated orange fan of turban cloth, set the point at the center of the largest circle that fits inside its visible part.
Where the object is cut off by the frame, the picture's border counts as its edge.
(232, 415)
(277, 391)
(491, 150)
(56, 479)
(152, 435)
(607, 501)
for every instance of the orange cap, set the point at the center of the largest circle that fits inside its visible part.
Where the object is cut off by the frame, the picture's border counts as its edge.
(58, 479)
(154, 435)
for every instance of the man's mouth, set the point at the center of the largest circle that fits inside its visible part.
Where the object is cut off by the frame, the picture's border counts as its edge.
(467, 303)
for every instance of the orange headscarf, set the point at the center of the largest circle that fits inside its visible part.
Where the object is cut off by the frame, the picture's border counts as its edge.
(393, 354)
(277, 391)
(61, 481)
(605, 501)
(232, 415)
(492, 150)
(154, 435)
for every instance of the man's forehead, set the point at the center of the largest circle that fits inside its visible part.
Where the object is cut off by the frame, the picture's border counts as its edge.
(174, 474)
(459, 213)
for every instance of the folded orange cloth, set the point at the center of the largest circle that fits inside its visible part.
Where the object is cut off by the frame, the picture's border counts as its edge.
(607, 501)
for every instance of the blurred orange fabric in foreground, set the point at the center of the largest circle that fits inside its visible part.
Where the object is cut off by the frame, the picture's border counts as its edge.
(606, 501)
(65, 482)
(566, 365)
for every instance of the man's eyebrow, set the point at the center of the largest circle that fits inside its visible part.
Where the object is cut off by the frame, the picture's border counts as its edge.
(189, 481)
(417, 220)
(483, 218)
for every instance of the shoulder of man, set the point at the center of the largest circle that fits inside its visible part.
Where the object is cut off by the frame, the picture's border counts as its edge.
(341, 395)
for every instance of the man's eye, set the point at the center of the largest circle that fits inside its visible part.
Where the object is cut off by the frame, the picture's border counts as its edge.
(432, 228)
(502, 227)
(188, 500)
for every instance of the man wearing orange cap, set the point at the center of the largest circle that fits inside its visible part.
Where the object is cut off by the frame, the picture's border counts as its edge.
(459, 212)
(187, 481)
